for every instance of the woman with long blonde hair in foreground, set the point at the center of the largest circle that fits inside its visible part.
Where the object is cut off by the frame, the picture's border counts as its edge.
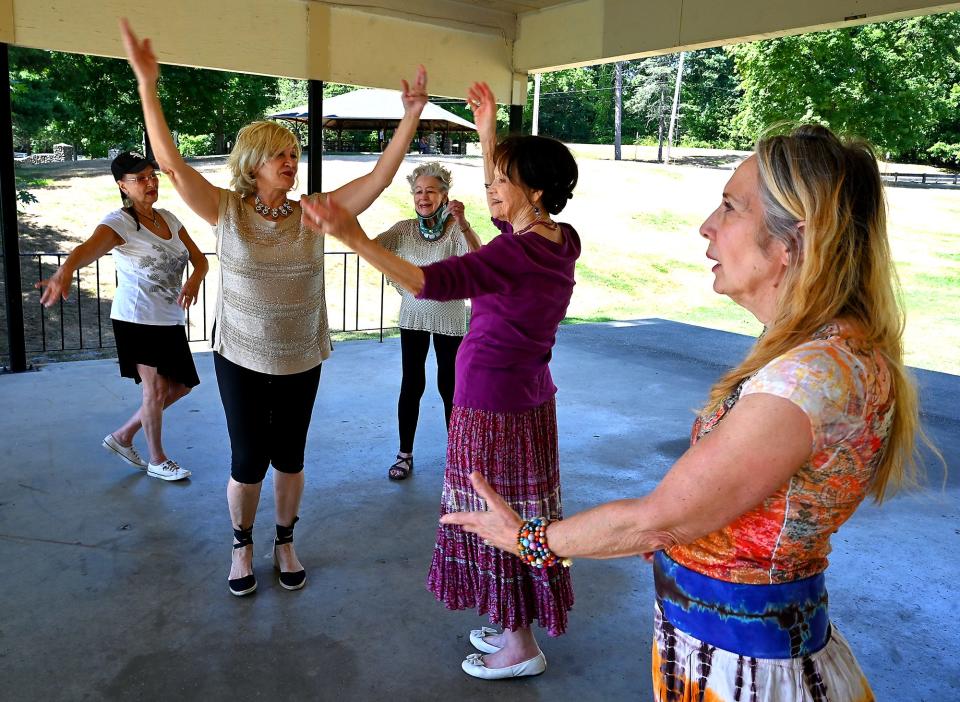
(820, 414)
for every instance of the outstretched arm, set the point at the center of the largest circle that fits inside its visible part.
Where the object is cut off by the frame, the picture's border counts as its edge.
(728, 472)
(482, 101)
(57, 286)
(200, 195)
(326, 215)
(357, 195)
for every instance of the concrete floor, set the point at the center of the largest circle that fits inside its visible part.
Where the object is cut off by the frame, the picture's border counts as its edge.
(114, 584)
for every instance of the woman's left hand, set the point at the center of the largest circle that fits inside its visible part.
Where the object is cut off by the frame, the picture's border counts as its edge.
(498, 526)
(455, 208)
(325, 216)
(415, 96)
(189, 294)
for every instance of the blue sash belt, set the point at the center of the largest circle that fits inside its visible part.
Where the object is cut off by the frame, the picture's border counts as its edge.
(788, 620)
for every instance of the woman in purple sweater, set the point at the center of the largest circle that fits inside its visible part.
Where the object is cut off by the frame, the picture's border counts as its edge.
(504, 421)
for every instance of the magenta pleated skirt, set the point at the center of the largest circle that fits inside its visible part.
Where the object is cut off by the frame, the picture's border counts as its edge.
(518, 455)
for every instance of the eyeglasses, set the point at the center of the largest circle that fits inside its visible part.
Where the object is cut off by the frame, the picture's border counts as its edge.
(140, 180)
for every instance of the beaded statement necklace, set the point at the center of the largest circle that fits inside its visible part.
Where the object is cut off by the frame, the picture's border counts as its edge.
(274, 212)
(551, 226)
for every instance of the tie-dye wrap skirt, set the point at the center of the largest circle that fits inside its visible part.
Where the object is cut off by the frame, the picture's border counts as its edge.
(716, 641)
(518, 455)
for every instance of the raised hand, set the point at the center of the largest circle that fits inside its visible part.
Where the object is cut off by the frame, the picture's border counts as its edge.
(455, 208)
(327, 217)
(140, 55)
(55, 288)
(483, 103)
(498, 526)
(415, 96)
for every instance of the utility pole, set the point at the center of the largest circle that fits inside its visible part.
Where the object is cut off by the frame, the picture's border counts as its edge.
(676, 105)
(536, 104)
(617, 108)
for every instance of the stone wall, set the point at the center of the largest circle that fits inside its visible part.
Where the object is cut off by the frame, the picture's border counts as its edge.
(61, 153)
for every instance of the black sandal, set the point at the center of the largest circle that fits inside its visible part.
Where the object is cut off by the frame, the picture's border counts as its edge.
(289, 580)
(248, 583)
(402, 469)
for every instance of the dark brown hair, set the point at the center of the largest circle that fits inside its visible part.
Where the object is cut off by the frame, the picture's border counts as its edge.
(539, 163)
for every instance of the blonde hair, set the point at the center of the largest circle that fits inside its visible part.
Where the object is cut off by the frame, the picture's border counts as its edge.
(840, 266)
(432, 169)
(257, 143)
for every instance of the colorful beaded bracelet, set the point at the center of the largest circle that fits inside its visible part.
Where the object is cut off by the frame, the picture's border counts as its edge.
(532, 545)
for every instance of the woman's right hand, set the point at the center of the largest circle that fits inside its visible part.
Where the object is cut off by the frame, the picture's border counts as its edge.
(325, 216)
(415, 96)
(455, 208)
(55, 287)
(482, 101)
(140, 55)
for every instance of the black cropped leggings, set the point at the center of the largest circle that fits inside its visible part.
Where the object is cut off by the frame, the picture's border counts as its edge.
(414, 346)
(267, 418)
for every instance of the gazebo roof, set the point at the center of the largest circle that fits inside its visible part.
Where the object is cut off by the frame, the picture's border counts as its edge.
(376, 108)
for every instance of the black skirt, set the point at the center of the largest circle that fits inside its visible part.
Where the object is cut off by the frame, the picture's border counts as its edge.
(159, 346)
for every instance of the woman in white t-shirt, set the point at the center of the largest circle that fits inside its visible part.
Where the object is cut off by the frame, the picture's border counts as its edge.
(440, 230)
(150, 250)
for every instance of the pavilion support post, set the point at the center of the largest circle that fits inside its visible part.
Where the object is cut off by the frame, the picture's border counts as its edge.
(516, 120)
(16, 341)
(315, 136)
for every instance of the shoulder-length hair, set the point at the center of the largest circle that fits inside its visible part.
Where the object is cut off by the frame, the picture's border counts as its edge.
(257, 143)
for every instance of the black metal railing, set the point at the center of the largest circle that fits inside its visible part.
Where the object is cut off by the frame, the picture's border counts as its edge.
(923, 178)
(82, 322)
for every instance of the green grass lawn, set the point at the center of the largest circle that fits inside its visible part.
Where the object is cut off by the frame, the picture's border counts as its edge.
(638, 222)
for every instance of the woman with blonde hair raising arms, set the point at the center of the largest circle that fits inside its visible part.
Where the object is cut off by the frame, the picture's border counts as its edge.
(271, 333)
(820, 414)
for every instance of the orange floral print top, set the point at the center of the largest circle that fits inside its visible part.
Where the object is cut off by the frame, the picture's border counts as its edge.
(846, 391)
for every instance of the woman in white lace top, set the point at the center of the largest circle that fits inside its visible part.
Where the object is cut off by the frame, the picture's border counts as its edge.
(440, 230)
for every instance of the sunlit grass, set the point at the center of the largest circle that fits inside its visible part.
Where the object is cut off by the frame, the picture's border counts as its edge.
(642, 254)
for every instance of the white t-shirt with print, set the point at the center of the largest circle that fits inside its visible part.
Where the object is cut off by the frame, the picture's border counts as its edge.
(149, 271)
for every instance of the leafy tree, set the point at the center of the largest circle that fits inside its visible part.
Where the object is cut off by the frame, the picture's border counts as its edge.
(33, 98)
(92, 102)
(198, 101)
(652, 88)
(568, 105)
(890, 82)
(710, 98)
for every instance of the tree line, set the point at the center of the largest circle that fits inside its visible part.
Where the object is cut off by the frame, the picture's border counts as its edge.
(896, 84)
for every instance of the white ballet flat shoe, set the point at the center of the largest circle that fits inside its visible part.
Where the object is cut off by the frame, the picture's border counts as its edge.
(477, 639)
(473, 665)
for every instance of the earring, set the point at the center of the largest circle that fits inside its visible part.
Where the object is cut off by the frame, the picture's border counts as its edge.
(536, 210)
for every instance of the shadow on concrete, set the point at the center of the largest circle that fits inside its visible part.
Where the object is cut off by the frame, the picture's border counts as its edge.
(718, 161)
(114, 583)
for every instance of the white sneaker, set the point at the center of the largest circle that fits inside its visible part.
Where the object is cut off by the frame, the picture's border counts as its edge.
(127, 453)
(168, 470)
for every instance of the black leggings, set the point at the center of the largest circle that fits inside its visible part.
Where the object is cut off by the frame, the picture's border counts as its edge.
(267, 418)
(414, 346)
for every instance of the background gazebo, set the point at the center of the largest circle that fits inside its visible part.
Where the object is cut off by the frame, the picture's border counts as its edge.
(379, 110)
